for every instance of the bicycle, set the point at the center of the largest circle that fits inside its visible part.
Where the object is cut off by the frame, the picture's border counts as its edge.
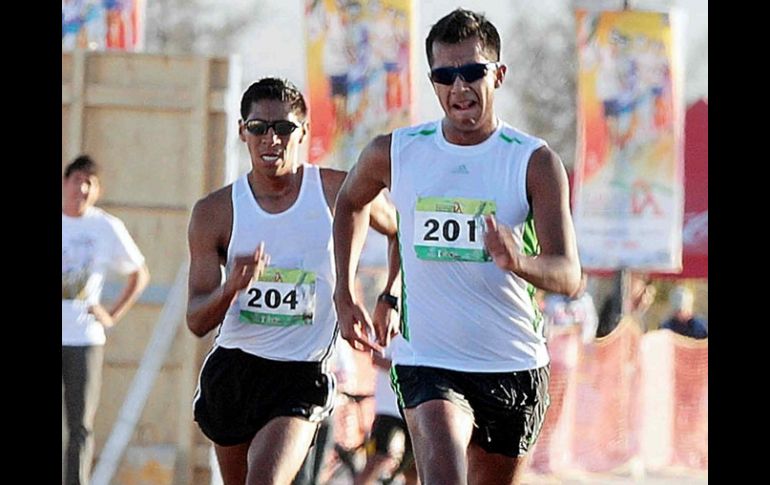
(350, 455)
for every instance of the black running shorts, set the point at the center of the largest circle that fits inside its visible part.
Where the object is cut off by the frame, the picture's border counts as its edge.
(508, 408)
(239, 393)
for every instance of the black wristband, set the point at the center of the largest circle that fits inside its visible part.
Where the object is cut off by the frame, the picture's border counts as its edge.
(391, 300)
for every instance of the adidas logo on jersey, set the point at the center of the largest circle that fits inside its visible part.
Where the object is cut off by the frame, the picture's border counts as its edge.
(461, 169)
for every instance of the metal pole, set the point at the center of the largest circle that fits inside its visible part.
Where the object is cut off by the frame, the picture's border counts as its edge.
(157, 349)
(624, 280)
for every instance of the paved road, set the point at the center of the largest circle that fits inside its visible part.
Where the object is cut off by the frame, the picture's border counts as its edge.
(618, 480)
(603, 480)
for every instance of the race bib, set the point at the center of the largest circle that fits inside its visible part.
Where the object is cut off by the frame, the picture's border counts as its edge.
(280, 298)
(451, 229)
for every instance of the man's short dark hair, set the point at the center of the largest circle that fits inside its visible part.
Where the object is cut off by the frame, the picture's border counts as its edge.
(83, 163)
(276, 89)
(461, 25)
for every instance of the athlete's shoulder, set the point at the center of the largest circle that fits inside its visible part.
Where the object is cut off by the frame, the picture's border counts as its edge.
(216, 200)
(420, 131)
(517, 137)
(213, 213)
(331, 183)
(332, 179)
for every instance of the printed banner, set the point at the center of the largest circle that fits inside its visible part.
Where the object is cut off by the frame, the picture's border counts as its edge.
(629, 193)
(358, 54)
(102, 24)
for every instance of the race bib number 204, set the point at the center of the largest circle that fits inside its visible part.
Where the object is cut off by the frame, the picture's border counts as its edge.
(280, 298)
(451, 229)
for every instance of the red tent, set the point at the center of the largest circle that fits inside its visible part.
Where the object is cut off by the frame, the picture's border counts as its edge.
(695, 238)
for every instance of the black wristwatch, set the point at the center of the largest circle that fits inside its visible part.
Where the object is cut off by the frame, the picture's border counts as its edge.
(391, 300)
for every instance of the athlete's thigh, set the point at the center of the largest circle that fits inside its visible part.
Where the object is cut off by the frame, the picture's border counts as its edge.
(486, 468)
(232, 462)
(440, 432)
(278, 450)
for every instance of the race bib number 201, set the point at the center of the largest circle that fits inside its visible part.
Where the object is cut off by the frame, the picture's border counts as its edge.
(280, 298)
(451, 229)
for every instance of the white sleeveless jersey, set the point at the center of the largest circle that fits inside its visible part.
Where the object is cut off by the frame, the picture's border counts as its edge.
(288, 315)
(459, 310)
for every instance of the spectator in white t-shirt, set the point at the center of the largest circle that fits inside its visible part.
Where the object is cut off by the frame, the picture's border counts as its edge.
(93, 243)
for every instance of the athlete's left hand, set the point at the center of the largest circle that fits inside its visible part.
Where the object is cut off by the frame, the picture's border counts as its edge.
(498, 239)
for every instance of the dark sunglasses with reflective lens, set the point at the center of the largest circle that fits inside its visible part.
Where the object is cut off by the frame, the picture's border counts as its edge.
(469, 73)
(260, 127)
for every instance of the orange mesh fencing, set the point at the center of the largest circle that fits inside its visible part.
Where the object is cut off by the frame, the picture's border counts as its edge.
(691, 401)
(629, 398)
(605, 433)
(552, 450)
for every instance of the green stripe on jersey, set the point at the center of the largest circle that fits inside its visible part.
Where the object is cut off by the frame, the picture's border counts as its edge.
(510, 139)
(529, 237)
(538, 318)
(404, 320)
(423, 132)
(532, 248)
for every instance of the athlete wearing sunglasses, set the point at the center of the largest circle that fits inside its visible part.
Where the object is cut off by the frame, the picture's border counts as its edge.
(470, 73)
(280, 127)
(265, 386)
(475, 198)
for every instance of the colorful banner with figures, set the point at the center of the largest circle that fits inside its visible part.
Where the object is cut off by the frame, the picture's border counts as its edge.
(358, 64)
(629, 193)
(102, 24)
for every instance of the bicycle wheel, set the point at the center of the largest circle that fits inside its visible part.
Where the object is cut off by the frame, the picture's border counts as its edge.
(397, 477)
(339, 469)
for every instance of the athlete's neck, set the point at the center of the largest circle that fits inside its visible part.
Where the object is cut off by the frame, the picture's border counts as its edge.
(276, 187)
(471, 136)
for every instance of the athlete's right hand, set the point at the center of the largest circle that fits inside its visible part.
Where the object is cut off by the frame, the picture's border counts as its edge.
(247, 268)
(355, 324)
(385, 320)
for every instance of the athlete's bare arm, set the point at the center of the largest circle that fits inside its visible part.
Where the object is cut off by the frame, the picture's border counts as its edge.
(208, 238)
(363, 184)
(556, 268)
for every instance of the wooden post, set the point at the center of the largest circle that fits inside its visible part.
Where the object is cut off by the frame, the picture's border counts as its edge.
(199, 125)
(199, 133)
(77, 104)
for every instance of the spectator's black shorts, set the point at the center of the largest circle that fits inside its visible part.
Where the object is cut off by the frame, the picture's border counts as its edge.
(508, 408)
(385, 428)
(239, 393)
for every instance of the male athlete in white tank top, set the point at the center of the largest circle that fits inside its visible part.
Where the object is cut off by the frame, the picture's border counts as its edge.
(483, 219)
(264, 387)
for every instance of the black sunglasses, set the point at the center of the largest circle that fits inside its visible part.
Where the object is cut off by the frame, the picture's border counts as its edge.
(469, 73)
(260, 127)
